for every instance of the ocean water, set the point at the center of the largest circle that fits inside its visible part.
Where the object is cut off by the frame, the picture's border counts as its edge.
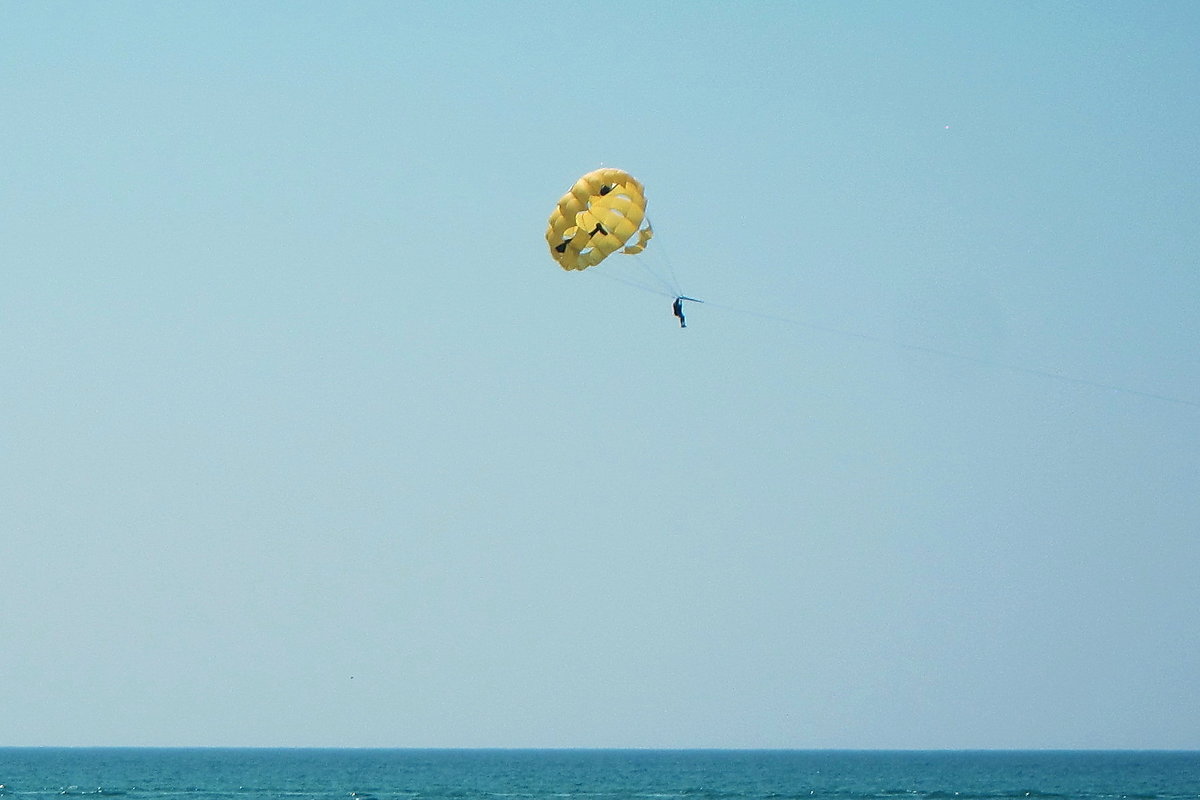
(249, 774)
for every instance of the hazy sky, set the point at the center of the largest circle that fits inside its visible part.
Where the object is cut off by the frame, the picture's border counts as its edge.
(305, 439)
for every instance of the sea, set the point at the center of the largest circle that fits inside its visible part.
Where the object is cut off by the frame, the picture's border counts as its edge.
(301, 774)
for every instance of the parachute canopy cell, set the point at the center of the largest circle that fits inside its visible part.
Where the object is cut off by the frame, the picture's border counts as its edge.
(601, 215)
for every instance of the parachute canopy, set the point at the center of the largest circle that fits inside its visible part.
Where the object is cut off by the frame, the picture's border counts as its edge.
(598, 217)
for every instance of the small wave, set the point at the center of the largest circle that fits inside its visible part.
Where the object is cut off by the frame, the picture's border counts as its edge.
(710, 794)
(950, 794)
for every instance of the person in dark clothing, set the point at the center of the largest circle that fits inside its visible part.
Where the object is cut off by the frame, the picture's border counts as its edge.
(677, 310)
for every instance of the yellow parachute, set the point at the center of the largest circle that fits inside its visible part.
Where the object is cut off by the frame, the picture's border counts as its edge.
(598, 217)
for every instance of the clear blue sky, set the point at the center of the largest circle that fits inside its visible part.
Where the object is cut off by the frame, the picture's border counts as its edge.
(305, 440)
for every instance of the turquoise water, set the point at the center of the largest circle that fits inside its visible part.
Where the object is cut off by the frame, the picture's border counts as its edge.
(217, 774)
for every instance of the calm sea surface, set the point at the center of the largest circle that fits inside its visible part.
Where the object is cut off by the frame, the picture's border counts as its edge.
(216, 774)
